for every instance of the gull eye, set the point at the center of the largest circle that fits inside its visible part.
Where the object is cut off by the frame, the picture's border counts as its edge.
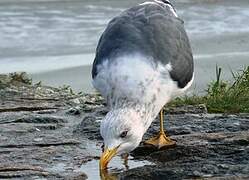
(123, 134)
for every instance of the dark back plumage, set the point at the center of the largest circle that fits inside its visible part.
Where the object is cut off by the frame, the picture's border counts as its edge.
(151, 30)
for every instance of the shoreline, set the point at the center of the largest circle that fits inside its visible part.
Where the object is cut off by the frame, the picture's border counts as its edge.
(79, 78)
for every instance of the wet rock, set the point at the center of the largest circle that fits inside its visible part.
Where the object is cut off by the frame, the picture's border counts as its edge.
(190, 123)
(153, 173)
(191, 109)
(36, 130)
(204, 142)
(74, 111)
(220, 158)
(4, 81)
(89, 127)
(57, 130)
(77, 176)
(22, 171)
(43, 119)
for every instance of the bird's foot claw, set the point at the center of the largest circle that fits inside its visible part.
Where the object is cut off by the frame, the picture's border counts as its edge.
(161, 141)
(125, 158)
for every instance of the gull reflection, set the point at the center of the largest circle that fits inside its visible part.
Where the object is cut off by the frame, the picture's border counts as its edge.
(108, 174)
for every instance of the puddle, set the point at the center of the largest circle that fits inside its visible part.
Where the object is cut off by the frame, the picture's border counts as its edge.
(115, 167)
(91, 168)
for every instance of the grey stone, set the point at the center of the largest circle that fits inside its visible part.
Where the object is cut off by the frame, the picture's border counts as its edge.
(53, 142)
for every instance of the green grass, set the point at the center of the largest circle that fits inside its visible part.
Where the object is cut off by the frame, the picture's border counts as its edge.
(222, 96)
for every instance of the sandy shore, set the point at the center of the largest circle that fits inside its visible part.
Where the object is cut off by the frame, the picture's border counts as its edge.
(79, 78)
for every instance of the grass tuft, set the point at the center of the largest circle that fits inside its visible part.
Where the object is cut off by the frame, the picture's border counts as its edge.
(222, 96)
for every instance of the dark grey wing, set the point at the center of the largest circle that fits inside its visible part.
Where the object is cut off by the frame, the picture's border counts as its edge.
(124, 34)
(151, 30)
(176, 49)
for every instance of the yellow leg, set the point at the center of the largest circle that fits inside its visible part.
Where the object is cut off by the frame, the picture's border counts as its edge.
(125, 158)
(161, 140)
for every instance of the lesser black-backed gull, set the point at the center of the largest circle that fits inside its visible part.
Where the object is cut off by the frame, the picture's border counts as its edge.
(143, 60)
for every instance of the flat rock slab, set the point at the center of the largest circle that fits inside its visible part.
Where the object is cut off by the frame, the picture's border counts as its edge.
(49, 133)
(208, 146)
(202, 155)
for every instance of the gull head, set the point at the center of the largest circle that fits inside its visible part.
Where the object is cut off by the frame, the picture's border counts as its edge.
(122, 130)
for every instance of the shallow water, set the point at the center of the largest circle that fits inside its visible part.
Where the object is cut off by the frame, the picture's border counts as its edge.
(114, 168)
(91, 168)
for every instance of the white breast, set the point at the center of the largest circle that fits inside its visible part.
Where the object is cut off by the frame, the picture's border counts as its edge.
(137, 78)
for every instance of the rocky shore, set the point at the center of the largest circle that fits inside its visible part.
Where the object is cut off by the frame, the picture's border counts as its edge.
(49, 133)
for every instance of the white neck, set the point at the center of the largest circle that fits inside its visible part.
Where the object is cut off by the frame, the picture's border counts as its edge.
(145, 112)
(134, 82)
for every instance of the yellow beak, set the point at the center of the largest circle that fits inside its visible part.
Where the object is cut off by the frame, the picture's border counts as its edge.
(106, 157)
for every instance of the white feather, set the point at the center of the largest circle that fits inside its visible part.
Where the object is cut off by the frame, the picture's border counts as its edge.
(134, 80)
(156, 2)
